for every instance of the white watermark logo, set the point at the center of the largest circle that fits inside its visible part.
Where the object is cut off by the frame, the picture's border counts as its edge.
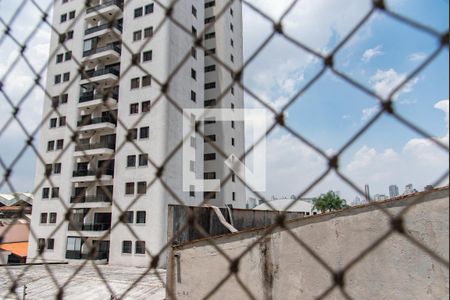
(255, 122)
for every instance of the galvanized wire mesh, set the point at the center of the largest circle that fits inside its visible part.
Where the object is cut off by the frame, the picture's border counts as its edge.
(386, 105)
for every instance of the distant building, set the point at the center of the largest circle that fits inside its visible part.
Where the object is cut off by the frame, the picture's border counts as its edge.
(252, 202)
(379, 197)
(409, 189)
(394, 191)
(15, 215)
(429, 188)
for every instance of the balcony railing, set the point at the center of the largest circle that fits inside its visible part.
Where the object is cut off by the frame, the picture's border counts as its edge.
(102, 27)
(117, 3)
(86, 147)
(71, 254)
(95, 73)
(91, 199)
(90, 96)
(90, 227)
(97, 120)
(113, 47)
(85, 173)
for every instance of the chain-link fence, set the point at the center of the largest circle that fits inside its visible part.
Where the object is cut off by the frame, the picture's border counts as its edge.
(386, 107)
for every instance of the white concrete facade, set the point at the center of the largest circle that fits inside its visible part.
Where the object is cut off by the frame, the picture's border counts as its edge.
(113, 89)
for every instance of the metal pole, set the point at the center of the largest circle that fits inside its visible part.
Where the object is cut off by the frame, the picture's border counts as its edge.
(24, 291)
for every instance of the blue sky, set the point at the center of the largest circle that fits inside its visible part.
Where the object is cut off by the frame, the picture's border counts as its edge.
(379, 56)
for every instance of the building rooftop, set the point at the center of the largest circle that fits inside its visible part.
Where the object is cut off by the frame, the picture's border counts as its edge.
(19, 249)
(16, 198)
(87, 284)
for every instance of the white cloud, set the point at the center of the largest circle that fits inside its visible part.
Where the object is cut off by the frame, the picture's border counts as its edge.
(418, 56)
(385, 81)
(280, 68)
(292, 166)
(372, 53)
(367, 113)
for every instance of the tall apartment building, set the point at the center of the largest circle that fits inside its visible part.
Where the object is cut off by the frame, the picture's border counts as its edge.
(128, 56)
(394, 191)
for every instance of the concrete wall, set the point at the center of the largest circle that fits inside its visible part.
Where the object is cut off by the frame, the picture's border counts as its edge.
(277, 267)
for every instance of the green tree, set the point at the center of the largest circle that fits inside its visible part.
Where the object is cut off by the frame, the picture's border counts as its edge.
(329, 202)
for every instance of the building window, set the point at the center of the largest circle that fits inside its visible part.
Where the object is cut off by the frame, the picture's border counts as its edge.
(129, 188)
(234, 196)
(210, 156)
(231, 27)
(211, 68)
(43, 219)
(232, 124)
(48, 169)
(131, 161)
(149, 8)
(136, 58)
(70, 35)
(66, 77)
(137, 35)
(232, 58)
(194, 52)
(192, 191)
(62, 121)
(135, 82)
(232, 43)
(211, 102)
(53, 122)
(145, 106)
(210, 85)
(52, 219)
(210, 52)
(59, 58)
(210, 35)
(209, 195)
(142, 188)
(63, 18)
(141, 217)
(68, 55)
(57, 79)
(194, 11)
(192, 166)
(143, 160)
(233, 142)
(194, 74)
(45, 193)
(134, 108)
(138, 12)
(64, 98)
(132, 134)
(193, 96)
(193, 142)
(129, 217)
(148, 32)
(210, 138)
(147, 56)
(210, 20)
(57, 168)
(72, 15)
(55, 192)
(233, 177)
(194, 31)
(50, 244)
(210, 4)
(209, 175)
(140, 247)
(147, 80)
(144, 133)
(126, 247)
(50, 145)
(231, 12)
(41, 244)
(59, 144)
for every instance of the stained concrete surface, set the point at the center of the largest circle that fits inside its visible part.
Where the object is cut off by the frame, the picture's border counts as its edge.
(87, 284)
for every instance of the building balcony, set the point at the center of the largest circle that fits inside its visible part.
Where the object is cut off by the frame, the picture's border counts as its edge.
(93, 230)
(108, 30)
(91, 199)
(98, 123)
(92, 175)
(79, 255)
(107, 76)
(107, 9)
(94, 149)
(92, 100)
(109, 53)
